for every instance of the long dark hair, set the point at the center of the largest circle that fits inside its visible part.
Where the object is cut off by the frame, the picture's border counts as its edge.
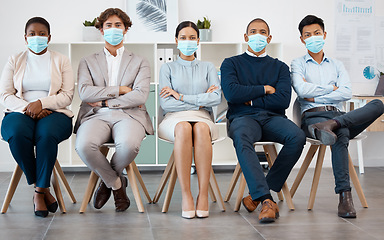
(184, 25)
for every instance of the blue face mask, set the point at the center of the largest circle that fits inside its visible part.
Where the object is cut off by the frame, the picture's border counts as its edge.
(113, 36)
(187, 47)
(37, 43)
(257, 42)
(315, 43)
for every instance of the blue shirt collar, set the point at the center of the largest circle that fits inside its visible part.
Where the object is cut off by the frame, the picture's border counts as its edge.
(308, 57)
(187, 63)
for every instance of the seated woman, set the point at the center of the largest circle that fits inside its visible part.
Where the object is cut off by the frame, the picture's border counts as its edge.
(114, 86)
(189, 90)
(36, 87)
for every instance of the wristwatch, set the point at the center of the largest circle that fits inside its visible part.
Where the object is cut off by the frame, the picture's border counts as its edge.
(103, 103)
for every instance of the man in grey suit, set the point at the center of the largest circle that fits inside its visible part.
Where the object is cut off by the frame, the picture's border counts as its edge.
(113, 86)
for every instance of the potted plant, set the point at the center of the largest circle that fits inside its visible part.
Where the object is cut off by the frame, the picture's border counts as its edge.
(90, 33)
(204, 30)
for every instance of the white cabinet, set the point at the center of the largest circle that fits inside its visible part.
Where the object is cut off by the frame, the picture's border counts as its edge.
(154, 152)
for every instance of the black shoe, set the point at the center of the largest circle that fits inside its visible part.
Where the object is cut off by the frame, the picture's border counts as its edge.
(346, 208)
(102, 195)
(122, 201)
(39, 213)
(51, 207)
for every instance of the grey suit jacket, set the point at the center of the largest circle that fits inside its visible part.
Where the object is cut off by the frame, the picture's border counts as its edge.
(93, 86)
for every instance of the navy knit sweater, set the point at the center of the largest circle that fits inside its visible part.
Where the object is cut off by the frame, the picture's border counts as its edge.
(243, 78)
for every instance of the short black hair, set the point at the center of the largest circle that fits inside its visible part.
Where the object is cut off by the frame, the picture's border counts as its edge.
(258, 20)
(184, 25)
(38, 20)
(309, 20)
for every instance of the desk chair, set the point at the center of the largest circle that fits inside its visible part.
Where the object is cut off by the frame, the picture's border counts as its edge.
(271, 154)
(56, 174)
(132, 173)
(316, 146)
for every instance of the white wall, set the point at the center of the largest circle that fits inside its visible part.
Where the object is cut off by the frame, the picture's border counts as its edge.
(229, 20)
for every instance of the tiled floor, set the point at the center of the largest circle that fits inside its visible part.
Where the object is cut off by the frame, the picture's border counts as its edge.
(320, 223)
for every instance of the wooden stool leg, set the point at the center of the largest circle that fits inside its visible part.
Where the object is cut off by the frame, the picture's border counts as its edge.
(304, 167)
(140, 179)
(232, 185)
(89, 191)
(240, 193)
(211, 193)
(12, 188)
(164, 179)
(356, 183)
(56, 188)
(171, 186)
(64, 181)
(135, 188)
(288, 197)
(316, 176)
(216, 190)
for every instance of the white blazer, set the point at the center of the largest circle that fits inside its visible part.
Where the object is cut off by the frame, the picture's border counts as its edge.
(60, 93)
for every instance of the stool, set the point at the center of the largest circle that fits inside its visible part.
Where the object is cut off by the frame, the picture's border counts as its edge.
(271, 154)
(132, 171)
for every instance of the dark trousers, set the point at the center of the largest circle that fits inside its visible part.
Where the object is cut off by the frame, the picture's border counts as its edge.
(247, 130)
(351, 125)
(23, 133)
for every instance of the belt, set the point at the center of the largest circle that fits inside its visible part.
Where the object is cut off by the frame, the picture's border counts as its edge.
(322, 109)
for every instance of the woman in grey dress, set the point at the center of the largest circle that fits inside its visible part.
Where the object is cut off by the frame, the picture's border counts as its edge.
(189, 88)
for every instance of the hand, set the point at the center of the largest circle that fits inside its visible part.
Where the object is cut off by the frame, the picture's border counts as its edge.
(124, 89)
(43, 114)
(167, 91)
(309, 99)
(248, 103)
(335, 88)
(33, 109)
(212, 88)
(269, 89)
(95, 104)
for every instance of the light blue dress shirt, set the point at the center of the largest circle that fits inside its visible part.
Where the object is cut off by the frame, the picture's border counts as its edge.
(320, 79)
(192, 79)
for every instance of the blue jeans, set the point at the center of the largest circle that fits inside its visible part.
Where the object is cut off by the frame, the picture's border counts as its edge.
(351, 125)
(259, 127)
(23, 133)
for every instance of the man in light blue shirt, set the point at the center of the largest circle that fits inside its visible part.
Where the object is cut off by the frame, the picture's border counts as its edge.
(322, 85)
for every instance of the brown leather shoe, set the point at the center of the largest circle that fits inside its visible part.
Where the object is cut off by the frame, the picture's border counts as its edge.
(249, 204)
(323, 131)
(269, 211)
(102, 195)
(122, 201)
(346, 208)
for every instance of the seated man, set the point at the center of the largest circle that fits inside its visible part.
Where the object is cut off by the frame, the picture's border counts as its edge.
(258, 90)
(322, 85)
(113, 85)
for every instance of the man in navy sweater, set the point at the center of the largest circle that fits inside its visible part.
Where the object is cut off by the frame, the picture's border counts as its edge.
(258, 90)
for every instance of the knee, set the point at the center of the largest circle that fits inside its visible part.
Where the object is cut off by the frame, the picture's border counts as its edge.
(128, 146)
(300, 138)
(201, 129)
(83, 146)
(379, 109)
(183, 129)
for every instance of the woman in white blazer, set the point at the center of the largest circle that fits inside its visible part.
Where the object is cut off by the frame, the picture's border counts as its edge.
(36, 87)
